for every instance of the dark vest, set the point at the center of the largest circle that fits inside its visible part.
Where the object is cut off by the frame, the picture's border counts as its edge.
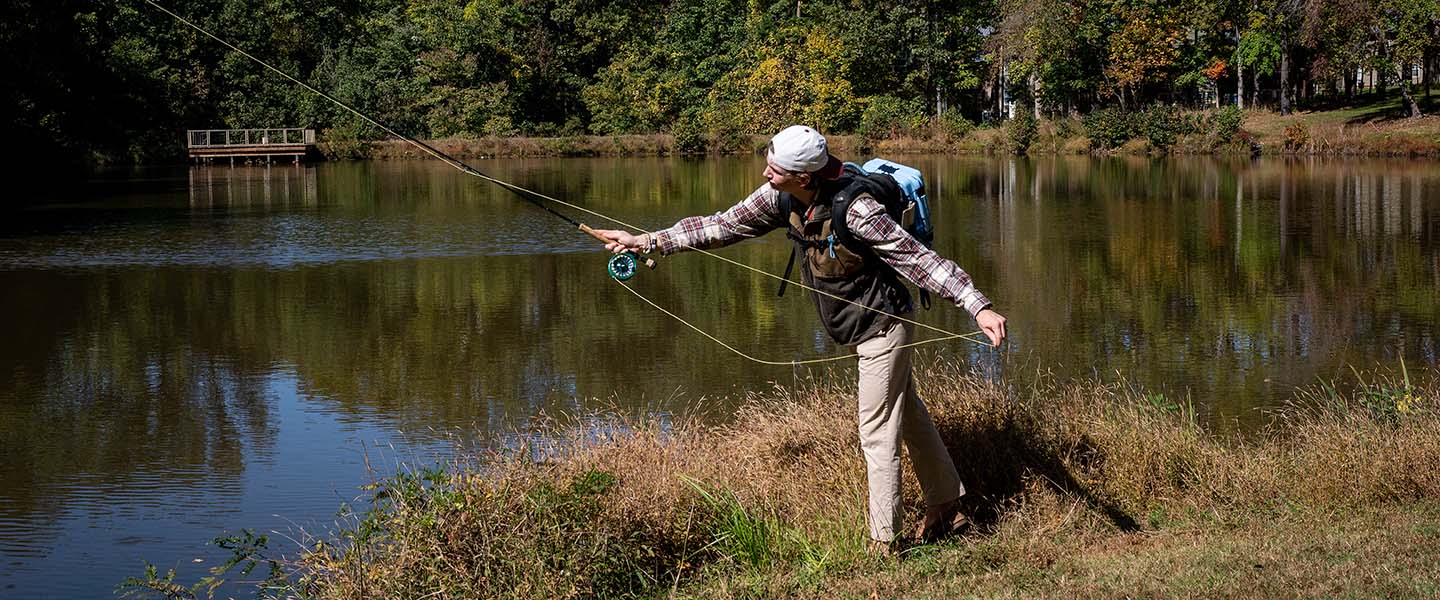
(856, 275)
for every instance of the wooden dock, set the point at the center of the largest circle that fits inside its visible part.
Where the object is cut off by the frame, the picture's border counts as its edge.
(249, 145)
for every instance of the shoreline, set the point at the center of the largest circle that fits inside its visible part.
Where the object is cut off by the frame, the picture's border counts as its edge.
(1263, 133)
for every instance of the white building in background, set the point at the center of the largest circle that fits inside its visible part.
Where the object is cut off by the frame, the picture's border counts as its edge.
(1366, 78)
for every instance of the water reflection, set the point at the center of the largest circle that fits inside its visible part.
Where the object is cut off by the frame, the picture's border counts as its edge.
(1233, 281)
(266, 185)
(224, 344)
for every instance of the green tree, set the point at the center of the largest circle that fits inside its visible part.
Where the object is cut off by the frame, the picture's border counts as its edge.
(1330, 31)
(1409, 27)
(1055, 48)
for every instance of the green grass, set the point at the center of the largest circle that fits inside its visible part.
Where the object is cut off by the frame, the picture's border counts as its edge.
(1378, 127)
(1367, 553)
(1369, 108)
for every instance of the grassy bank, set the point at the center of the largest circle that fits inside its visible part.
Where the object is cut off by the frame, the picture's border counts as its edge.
(1366, 131)
(1080, 489)
(1376, 129)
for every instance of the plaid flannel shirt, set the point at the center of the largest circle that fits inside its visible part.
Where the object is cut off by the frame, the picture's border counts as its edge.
(759, 213)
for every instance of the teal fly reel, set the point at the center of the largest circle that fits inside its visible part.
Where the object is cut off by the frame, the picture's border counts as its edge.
(623, 266)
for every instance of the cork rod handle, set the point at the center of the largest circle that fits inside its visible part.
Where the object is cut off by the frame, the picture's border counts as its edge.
(649, 262)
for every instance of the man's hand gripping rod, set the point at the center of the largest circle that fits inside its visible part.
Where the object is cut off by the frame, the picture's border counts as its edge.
(649, 262)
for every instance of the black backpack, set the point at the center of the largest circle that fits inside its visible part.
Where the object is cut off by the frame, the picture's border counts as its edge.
(903, 198)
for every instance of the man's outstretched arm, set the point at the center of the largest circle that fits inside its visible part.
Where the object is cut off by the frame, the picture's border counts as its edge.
(923, 266)
(756, 215)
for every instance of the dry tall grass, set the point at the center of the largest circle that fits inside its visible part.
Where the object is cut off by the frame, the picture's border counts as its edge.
(773, 503)
(1343, 133)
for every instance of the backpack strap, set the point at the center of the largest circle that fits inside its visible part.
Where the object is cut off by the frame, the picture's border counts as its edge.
(785, 280)
(881, 187)
(786, 204)
(786, 201)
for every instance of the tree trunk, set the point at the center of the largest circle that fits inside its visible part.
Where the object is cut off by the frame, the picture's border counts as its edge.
(1239, 74)
(1348, 80)
(1285, 81)
(1000, 94)
(1035, 94)
(1410, 99)
(1426, 67)
(1240, 86)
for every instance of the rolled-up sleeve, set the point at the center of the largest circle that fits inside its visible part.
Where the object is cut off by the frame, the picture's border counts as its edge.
(756, 215)
(923, 266)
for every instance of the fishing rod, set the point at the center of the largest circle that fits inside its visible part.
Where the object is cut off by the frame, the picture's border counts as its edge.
(621, 266)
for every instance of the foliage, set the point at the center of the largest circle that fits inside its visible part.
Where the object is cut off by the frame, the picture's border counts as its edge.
(1143, 48)
(953, 125)
(1109, 128)
(1296, 136)
(1259, 48)
(1164, 124)
(887, 117)
(247, 551)
(797, 75)
(725, 69)
(340, 143)
(689, 134)
(1020, 132)
(1227, 122)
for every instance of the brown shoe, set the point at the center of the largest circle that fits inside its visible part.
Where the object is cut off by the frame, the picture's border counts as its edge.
(949, 521)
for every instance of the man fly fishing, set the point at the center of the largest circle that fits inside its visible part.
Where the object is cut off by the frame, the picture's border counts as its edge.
(804, 182)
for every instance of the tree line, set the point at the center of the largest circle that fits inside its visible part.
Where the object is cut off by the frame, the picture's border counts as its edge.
(117, 81)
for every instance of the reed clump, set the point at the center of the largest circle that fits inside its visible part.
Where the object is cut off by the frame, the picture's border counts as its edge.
(772, 503)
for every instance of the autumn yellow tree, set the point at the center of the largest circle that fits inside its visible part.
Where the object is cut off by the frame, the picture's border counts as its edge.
(801, 75)
(1145, 46)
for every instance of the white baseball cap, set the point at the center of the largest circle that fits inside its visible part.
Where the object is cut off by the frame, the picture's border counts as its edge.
(800, 149)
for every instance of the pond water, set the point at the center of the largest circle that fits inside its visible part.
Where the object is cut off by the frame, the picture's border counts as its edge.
(192, 351)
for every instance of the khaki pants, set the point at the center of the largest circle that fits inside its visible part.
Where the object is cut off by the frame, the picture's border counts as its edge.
(889, 413)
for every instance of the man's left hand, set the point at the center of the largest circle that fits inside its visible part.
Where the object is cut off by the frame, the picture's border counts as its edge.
(993, 324)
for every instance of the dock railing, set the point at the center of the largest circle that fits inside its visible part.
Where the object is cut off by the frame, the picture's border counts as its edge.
(249, 145)
(226, 138)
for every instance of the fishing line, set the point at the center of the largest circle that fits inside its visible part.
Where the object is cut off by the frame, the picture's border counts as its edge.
(538, 199)
(965, 336)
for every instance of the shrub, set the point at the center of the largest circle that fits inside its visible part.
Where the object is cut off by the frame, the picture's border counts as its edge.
(1296, 136)
(728, 128)
(1020, 132)
(689, 134)
(1163, 125)
(1065, 127)
(1226, 122)
(953, 126)
(1109, 128)
(887, 116)
(341, 143)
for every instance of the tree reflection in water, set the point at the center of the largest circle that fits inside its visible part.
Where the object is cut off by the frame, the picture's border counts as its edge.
(146, 328)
